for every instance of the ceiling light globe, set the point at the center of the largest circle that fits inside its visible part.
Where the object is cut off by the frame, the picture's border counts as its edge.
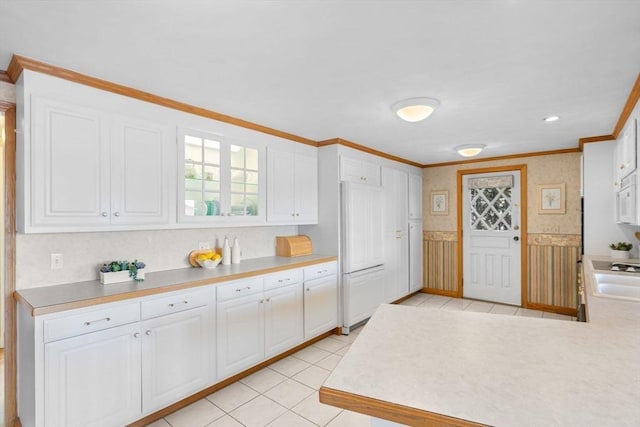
(415, 109)
(469, 150)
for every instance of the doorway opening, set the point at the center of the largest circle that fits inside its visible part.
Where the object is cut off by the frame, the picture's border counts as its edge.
(492, 234)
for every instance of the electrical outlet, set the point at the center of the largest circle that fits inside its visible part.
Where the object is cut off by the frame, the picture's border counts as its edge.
(203, 245)
(56, 261)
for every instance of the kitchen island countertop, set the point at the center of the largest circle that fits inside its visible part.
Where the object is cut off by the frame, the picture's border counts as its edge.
(51, 299)
(426, 367)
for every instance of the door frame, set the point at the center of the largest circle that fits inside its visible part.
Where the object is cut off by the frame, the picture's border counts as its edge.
(10, 310)
(522, 168)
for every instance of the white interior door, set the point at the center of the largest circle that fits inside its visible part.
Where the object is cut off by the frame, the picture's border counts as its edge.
(491, 237)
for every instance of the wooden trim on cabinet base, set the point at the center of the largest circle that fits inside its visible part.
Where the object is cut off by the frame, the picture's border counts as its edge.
(389, 411)
(434, 291)
(567, 311)
(222, 384)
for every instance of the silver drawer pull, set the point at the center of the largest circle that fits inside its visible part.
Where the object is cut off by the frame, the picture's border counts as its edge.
(321, 271)
(284, 280)
(174, 304)
(106, 319)
(148, 332)
(243, 289)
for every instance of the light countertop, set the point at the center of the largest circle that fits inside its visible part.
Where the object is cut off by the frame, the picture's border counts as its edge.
(55, 298)
(410, 363)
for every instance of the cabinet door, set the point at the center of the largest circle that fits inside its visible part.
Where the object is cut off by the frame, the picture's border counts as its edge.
(140, 174)
(353, 170)
(363, 293)
(177, 356)
(415, 196)
(93, 380)
(396, 246)
(320, 306)
(240, 334)
(222, 183)
(306, 189)
(69, 165)
(415, 256)
(280, 187)
(283, 319)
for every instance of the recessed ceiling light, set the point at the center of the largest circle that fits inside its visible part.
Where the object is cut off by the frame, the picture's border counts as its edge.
(551, 118)
(415, 109)
(469, 150)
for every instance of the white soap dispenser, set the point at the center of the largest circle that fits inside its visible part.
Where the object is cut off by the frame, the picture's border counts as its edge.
(226, 252)
(235, 252)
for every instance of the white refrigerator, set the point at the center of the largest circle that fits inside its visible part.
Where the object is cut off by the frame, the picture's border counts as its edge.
(362, 252)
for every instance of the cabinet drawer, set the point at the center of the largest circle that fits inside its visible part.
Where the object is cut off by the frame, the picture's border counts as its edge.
(282, 278)
(176, 302)
(90, 321)
(240, 288)
(320, 270)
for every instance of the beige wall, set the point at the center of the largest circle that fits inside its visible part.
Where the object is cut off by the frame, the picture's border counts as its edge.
(551, 169)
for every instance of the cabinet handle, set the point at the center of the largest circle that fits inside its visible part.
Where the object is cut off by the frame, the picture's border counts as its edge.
(116, 214)
(297, 214)
(284, 280)
(307, 289)
(268, 299)
(174, 304)
(321, 271)
(292, 214)
(148, 332)
(136, 335)
(261, 301)
(106, 319)
(241, 289)
(105, 214)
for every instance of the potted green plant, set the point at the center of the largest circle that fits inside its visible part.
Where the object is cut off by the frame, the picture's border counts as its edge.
(122, 271)
(620, 249)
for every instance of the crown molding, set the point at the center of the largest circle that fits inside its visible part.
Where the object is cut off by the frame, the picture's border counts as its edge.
(366, 149)
(507, 157)
(20, 63)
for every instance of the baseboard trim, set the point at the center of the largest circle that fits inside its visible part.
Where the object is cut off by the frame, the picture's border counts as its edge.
(222, 384)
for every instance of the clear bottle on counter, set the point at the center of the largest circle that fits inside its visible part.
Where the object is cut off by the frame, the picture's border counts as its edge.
(226, 252)
(235, 252)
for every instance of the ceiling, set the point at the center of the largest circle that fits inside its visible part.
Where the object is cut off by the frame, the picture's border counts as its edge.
(323, 69)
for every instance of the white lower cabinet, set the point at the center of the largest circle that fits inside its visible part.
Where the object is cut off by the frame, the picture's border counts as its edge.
(93, 380)
(240, 326)
(177, 357)
(111, 365)
(257, 319)
(320, 299)
(282, 319)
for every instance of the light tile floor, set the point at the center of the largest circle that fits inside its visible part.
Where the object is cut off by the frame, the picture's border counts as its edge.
(285, 394)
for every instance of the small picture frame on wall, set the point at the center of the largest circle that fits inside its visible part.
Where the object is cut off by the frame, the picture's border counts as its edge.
(551, 198)
(440, 202)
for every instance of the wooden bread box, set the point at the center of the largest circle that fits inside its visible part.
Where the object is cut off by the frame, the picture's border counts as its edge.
(292, 246)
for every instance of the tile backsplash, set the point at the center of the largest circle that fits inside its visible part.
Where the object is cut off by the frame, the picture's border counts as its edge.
(83, 253)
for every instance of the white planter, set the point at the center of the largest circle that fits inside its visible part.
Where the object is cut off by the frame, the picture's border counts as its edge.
(620, 254)
(119, 276)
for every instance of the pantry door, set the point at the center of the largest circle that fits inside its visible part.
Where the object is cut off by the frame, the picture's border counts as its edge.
(491, 229)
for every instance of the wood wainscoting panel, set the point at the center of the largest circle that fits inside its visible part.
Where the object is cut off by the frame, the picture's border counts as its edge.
(553, 277)
(441, 262)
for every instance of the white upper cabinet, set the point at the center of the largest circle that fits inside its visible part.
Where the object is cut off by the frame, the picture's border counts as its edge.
(354, 170)
(626, 147)
(415, 196)
(220, 181)
(90, 170)
(292, 192)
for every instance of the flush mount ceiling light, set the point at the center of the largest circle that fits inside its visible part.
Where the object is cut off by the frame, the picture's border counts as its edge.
(469, 150)
(551, 118)
(415, 109)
